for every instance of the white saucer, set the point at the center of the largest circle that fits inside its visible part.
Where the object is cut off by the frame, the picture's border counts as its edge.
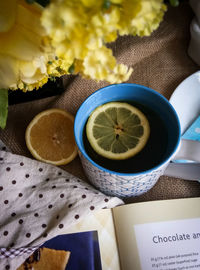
(186, 100)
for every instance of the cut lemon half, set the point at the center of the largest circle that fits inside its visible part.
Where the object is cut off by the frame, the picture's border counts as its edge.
(117, 130)
(50, 137)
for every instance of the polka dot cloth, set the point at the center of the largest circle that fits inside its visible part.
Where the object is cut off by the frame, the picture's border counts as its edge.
(37, 202)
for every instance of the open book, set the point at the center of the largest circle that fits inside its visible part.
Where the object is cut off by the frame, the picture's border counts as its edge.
(162, 235)
(157, 235)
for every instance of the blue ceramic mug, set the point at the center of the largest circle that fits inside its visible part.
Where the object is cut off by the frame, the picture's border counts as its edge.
(127, 183)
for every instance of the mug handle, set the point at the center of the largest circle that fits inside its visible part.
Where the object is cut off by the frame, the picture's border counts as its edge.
(186, 171)
(189, 150)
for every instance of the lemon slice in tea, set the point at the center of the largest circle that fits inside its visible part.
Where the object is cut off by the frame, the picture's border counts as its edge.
(50, 137)
(117, 130)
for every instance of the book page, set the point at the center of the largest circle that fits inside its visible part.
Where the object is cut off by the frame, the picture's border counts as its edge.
(101, 222)
(159, 235)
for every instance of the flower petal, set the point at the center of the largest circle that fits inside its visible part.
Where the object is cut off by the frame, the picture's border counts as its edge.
(8, 71)
(7, 14)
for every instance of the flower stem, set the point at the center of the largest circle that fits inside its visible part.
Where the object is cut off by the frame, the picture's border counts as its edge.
(3, 107)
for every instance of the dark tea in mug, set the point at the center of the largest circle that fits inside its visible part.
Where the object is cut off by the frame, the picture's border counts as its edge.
(151, 155)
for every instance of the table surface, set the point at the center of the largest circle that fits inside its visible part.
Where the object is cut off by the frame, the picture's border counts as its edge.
(160, 62)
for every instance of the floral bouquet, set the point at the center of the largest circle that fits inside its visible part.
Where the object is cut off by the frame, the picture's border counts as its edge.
(42, 40)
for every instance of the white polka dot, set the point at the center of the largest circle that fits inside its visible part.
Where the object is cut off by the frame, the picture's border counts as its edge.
(197, 130)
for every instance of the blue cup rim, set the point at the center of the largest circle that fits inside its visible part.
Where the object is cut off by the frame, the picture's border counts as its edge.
(165, 161)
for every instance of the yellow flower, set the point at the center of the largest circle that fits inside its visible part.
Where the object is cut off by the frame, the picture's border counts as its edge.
(89, 3)
(37, 43)
(20, 47)
(149, 18)
(120, 73)
(80, 29)
(106, 25)
(24, 52)
(65, 23)
(98, 63)
(118, 2)
(141, 17)
(101, 65)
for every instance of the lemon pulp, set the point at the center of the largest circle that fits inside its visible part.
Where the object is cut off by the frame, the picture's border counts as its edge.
(117, 130)
(50, 138)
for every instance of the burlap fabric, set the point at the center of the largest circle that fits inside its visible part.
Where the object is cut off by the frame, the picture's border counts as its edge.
(160, 61)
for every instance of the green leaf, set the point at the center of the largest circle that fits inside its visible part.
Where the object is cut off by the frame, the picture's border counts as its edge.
(106, 4)
(174, 3)
(71, 69)
(3, 107)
